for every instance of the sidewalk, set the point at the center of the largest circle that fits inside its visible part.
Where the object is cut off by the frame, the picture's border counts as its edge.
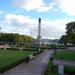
(64, 62)
(34, 67)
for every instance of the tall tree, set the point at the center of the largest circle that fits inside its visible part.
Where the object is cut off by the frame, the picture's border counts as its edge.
(17, 39)
(70, 27)
(63, 39)
(70, 34)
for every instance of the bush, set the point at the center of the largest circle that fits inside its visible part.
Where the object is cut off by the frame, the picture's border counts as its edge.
(5, 68)
(69, 70)
(50, 69)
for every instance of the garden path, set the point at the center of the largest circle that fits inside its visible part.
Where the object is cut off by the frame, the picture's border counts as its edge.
(34, 67)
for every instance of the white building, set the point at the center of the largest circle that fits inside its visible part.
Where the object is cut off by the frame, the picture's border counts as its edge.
(47, 41)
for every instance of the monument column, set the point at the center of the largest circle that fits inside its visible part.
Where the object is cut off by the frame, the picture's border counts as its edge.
(39, 33)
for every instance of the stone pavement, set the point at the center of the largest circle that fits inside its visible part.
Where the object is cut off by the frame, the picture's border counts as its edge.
(35, 67)
(64, 62)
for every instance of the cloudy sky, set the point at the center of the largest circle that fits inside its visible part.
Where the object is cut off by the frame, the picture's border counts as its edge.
(21, 16)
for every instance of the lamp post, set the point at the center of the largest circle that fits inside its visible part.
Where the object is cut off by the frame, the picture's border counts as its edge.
(55, 49)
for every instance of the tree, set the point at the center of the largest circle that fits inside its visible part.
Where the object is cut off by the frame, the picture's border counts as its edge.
(70, 27)
(16, 39)
(70, 35)
(63, 39)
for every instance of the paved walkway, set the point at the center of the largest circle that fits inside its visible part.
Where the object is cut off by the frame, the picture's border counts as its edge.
(64, 62)
(34, 67)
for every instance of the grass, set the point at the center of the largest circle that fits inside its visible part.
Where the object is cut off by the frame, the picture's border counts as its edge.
(9, 57)
(50, 69)
(62, 55)
(65, 55)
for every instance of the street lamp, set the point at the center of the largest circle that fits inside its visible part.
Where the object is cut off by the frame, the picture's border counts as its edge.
(55, 48)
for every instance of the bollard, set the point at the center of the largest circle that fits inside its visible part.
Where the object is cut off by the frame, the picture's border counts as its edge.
(60, 69)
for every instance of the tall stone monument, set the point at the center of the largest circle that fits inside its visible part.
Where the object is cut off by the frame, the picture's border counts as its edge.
(39, 34)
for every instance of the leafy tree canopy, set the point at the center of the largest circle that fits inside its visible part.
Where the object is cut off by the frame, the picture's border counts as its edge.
(70, 34)
(12, 38)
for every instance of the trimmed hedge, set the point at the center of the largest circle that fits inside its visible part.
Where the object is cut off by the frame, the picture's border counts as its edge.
(5, 68)
(26, 49)
(50, 69)
(69, 70)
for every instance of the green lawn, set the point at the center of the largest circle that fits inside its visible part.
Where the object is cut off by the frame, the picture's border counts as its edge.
(9, 57)
(52, 70)
(65, 55)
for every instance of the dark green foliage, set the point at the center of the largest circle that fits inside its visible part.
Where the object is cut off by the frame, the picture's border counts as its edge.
(61, 46)
(70, 70)
(70, 34)
(48, 46)
(63, 39)
(15, 39)
(69, 27)
(50, 69)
